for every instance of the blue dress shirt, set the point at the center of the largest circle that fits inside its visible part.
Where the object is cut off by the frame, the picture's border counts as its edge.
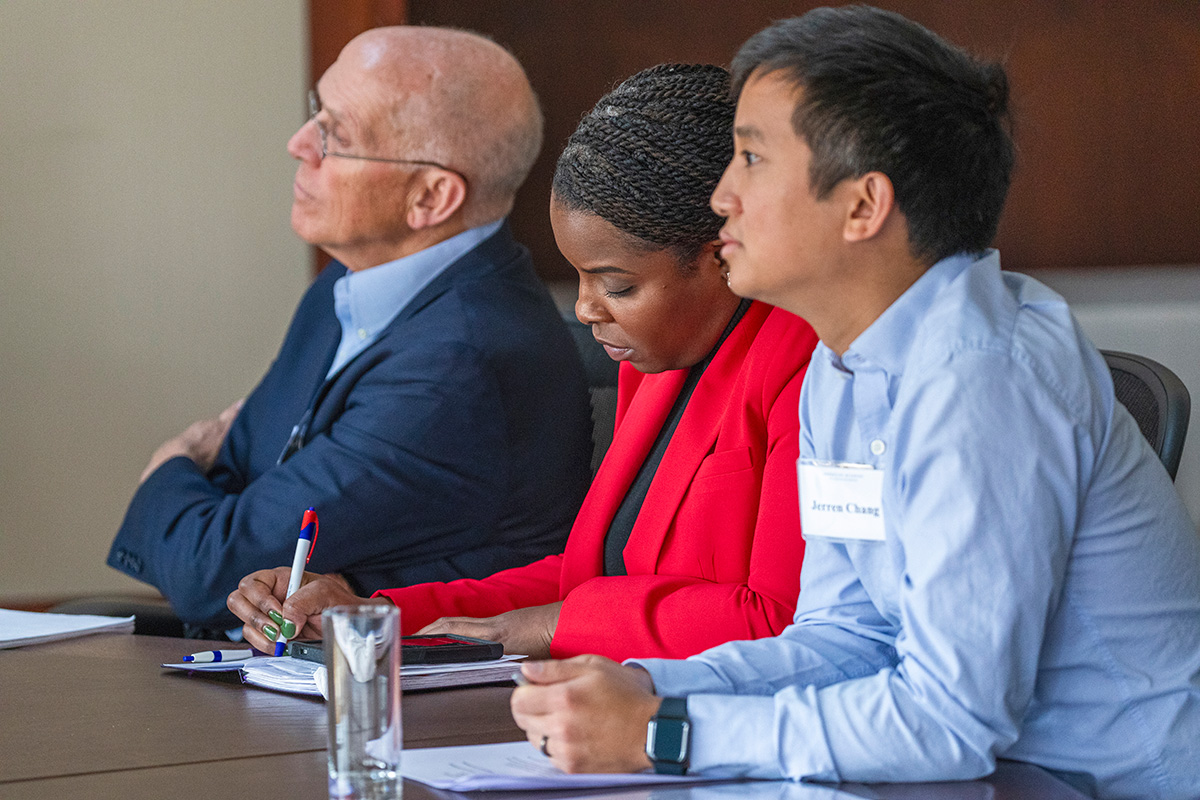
(367, 300)
(1036, 595)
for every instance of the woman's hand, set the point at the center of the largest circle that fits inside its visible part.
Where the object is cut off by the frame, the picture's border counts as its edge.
(259, 602)
(525, 631)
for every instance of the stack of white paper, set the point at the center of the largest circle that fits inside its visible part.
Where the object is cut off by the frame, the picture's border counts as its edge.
(467, 673)
(512, 765)
(19, 628)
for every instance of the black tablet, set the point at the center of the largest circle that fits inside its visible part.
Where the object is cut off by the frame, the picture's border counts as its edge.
(444, 648)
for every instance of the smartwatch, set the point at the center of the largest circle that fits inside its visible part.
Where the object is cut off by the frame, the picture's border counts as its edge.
(668, 737)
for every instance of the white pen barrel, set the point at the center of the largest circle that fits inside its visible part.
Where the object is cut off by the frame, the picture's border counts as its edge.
(302, 546)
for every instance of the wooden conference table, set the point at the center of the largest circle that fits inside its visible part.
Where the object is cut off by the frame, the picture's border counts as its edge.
(97, 717)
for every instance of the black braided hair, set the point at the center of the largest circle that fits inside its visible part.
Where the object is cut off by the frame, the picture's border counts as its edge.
(647, 158)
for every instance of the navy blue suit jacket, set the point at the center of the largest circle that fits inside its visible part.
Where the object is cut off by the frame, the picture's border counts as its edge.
(456, 445)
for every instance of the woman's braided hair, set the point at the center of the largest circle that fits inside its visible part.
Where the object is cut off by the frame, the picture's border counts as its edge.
(647, 158)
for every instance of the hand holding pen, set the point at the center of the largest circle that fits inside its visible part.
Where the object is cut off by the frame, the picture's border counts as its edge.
(304, 548)
(259, 601)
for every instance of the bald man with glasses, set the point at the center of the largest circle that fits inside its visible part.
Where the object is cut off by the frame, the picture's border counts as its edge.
(427, 399)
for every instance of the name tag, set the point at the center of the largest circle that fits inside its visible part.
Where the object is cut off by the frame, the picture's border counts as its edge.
(840, 501)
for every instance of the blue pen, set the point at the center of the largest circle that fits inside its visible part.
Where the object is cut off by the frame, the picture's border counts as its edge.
(210, 656)
(304, 548)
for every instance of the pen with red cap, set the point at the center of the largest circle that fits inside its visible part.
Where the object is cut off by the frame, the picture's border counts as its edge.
(304, 548)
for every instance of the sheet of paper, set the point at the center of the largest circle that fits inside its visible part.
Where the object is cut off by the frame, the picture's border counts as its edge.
(512, 765)
(20, 628)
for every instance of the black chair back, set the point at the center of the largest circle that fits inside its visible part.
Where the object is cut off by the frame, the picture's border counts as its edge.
(152, 616)
(1156, 399)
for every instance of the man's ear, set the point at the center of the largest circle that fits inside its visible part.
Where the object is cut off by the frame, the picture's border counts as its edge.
(435, 197)
(872, 200)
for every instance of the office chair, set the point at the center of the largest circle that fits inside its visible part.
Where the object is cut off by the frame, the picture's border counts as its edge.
(1156, 399)
(601, 374)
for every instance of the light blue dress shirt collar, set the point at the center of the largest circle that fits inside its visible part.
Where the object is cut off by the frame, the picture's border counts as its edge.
(887, 341)
(366, 301)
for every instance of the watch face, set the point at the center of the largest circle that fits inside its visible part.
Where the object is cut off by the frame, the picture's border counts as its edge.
(668, 736)
(667, 740)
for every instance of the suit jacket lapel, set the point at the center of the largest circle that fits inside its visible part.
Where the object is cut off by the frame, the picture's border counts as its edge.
(492, 251)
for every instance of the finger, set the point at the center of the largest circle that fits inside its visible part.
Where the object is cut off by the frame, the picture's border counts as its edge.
(547, 672)
(245, 610)
(230, 413)
(532, 708)
(266, 587)
(305, 606)
(312, 629)
(462, 626)
(255, 637)
(255, 595)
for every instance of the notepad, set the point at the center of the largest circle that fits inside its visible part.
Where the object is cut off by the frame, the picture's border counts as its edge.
(296, 676)
(21, 628)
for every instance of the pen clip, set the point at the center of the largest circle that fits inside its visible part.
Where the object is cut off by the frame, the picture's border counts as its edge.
(295, 440)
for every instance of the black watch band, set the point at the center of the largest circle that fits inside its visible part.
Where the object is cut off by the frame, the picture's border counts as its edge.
(669, 737)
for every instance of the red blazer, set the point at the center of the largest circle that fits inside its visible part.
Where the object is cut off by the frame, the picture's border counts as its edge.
(716, 550)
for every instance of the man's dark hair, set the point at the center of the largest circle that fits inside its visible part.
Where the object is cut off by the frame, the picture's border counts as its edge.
(882, 93)
(647, 158)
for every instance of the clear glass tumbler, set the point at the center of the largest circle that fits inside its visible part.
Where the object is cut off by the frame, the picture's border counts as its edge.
(362, 657)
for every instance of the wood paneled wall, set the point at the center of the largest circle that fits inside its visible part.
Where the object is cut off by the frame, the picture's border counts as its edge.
(1105, 97)
(333, 23)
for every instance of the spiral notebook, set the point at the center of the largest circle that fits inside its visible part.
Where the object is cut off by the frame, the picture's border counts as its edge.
(296, 676)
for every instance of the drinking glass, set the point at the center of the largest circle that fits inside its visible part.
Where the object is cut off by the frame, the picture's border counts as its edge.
(362, 658)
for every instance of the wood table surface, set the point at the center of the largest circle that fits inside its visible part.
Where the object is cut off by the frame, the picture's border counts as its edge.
(97, 717)
(102, 704)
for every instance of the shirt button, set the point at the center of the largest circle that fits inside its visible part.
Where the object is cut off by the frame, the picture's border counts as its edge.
(878, 447)
(362, 333)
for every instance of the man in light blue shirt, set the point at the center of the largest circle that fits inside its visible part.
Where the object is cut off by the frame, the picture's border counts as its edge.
(997, 565)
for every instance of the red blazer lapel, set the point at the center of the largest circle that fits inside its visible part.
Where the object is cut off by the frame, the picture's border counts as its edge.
(702, 422)
(642, 406)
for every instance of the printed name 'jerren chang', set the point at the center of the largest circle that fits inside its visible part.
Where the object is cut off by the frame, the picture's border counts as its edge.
(849, 508)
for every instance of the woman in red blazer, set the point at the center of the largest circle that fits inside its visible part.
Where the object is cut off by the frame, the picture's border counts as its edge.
(707, 547)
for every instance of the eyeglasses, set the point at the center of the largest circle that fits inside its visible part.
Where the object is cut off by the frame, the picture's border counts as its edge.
(314, 108)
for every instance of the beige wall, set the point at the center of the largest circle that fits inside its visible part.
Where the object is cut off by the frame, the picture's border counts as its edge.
(148, 269)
